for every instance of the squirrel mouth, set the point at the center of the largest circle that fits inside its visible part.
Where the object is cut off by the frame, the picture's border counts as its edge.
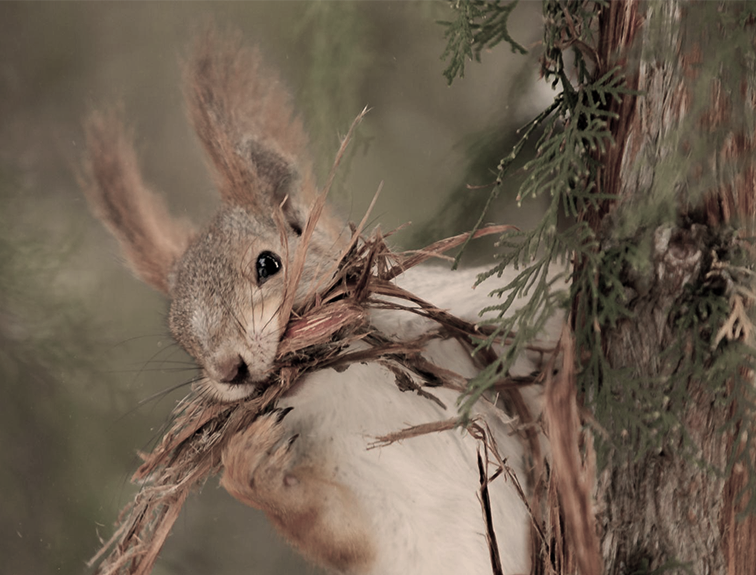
(235, 391)
(237, 382)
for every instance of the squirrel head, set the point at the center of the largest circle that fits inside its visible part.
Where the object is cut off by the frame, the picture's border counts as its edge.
(227, 282)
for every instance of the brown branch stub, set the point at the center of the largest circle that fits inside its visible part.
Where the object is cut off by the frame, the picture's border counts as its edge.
(572, 479)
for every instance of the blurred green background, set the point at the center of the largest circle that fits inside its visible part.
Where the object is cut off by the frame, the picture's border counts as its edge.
(84, 345)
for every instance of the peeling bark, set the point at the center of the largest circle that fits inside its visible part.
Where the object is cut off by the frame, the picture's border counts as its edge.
(686, 145)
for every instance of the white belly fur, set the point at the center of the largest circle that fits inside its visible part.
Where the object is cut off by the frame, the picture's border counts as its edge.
(420, 494)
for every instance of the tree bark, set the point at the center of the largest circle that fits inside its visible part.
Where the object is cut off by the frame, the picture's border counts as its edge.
(685, 144)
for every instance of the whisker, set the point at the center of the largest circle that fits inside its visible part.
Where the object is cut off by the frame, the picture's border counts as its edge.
(188, 366)
(273, 315)
(136, 338)
(157, 396)
(262, 312)
(164, 392)
(175, 361)
(172, 347)
(232, 314)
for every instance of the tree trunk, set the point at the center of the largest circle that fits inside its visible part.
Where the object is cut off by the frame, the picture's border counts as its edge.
(685, 144)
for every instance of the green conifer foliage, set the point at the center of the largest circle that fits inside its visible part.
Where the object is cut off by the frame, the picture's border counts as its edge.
(480, 24)
(635, 413)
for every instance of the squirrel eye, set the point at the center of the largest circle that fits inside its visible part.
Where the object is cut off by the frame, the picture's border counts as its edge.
(268, 264)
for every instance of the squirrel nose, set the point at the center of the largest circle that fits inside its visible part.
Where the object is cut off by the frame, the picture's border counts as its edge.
(232, 370)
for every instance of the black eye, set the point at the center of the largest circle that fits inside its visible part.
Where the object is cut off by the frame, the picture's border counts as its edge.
(268, 264)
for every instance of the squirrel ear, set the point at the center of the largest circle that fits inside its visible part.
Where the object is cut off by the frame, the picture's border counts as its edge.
(277, 182)
(151, 240)
(244, 120)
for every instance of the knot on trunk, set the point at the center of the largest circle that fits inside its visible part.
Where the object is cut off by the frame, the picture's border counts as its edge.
(678, 255)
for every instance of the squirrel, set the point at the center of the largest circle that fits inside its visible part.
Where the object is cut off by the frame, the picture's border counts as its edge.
(408, 507)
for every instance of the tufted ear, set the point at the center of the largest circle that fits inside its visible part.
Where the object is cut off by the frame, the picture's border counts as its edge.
(150, 238)
(244, 120)
(277, 184)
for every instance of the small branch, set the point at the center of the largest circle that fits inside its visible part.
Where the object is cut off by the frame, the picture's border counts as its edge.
(414, 431)
(316, 211)
(485, 503)
(572, 481)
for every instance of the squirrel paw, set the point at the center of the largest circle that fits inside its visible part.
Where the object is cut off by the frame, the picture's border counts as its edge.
(259, 461)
